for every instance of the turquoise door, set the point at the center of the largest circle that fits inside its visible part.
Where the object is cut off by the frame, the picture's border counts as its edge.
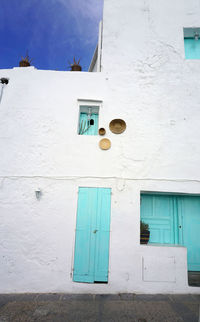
(91, 256)
(190, 226)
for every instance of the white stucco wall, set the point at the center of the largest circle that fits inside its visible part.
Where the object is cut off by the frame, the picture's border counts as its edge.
(158, 97)
(146, 33)
(94, 70)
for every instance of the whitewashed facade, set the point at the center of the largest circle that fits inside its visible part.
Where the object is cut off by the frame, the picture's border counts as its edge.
(143, 79)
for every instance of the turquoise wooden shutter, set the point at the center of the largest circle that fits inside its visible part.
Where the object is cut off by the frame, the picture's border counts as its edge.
(192, 48)
(84, 124)
(94, 128)
(174, 220)
(85, 240)
(92, 235)
(102, 235)
(189, 206)
(158, 212)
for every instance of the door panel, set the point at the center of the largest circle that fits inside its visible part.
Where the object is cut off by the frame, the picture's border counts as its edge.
(102, 235)
(191, 230)
(92, 235)
(158, 212)
(85, 240)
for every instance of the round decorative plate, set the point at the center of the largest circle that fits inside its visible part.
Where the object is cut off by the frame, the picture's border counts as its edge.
(102, 131)
(117, 126)
(105, 144)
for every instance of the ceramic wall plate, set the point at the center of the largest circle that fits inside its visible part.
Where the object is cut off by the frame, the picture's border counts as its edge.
(117, 126)
(105, 144)
(102, 131)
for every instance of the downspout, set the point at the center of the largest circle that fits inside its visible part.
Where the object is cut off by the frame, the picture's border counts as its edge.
(4, 82)
(1, 93)
(96, 59)
(99, 48)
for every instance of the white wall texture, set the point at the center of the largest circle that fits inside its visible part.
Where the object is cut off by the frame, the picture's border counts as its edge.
(146, 81)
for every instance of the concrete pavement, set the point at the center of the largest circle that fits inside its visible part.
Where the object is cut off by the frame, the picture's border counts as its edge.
(99, 308)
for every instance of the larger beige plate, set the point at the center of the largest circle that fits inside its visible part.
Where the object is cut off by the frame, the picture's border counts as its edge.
(117, 126)
(105, 144)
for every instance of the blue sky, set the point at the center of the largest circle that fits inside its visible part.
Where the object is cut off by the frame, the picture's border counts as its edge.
(53, 32)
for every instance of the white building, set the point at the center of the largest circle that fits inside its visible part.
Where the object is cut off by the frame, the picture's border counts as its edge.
(148, 77)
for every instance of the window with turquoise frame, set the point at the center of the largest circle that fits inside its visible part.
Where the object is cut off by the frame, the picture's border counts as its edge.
(88, 120)
(174, 219)
(192, 43)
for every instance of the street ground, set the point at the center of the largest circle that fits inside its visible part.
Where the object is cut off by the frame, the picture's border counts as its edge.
(99, 308)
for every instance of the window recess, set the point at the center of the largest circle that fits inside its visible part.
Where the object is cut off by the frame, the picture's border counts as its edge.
(174, 219)
(88, 120)
(192, 43)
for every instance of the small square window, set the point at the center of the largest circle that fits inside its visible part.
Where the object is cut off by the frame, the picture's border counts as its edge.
(88, 120)
(192, 43)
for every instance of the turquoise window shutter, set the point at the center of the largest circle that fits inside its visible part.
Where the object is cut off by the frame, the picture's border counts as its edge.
(94, 128)
(91, 256)
(174, 219)
(85, 125)
(158, 212)
(192, 48)
(189, 226)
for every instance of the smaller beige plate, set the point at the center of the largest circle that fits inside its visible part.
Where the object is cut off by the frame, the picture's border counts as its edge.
(105, 144)
(102, 131)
